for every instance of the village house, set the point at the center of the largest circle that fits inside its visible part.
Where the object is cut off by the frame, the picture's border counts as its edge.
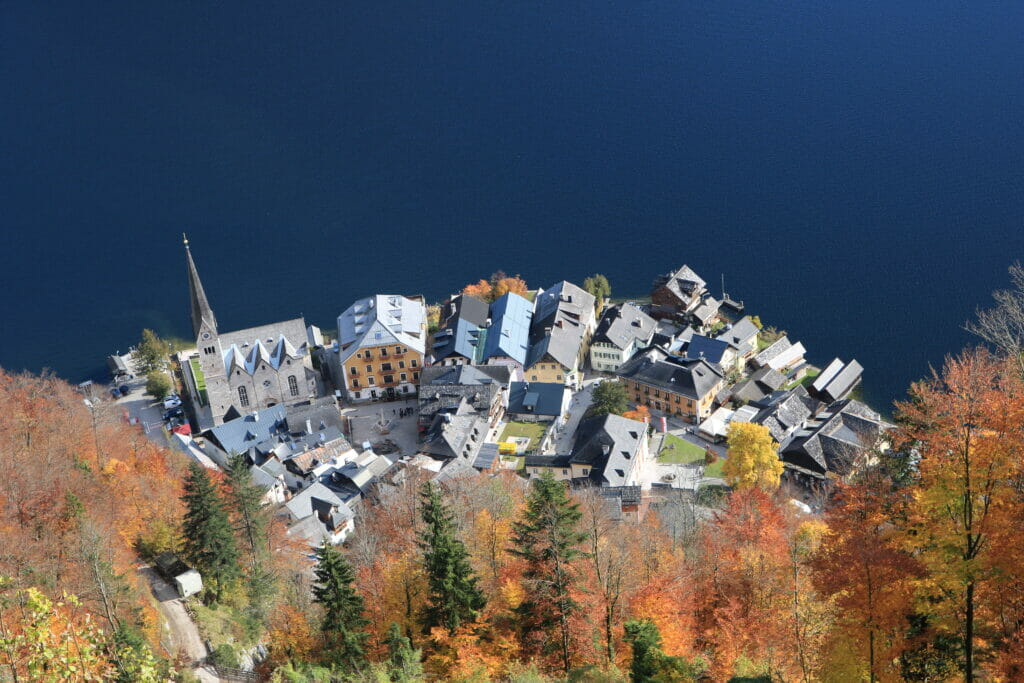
(836, 381)
(380, 347)
(741, 336)
(622, 332)
(318, 514)
(560, 333)
(538, 401)
(507, 339)
(484, 387)
(713, 351)
(675, 385)
(608, 451)
(459, 338)
(677, 293)
(780, 355)
(831, 442)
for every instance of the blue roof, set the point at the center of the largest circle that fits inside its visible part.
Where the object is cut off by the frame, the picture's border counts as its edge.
(536, 398)
(463, 340)
(709, 349)
(242, 433)
(509, 334)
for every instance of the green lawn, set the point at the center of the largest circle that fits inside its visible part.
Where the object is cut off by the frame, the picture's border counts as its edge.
(714, 469)
(519, 460)
(807, 379)
(678, 451)
(533, 430)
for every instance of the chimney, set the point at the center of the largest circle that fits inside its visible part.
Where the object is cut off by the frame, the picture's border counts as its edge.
(309, 426)
(255, 416)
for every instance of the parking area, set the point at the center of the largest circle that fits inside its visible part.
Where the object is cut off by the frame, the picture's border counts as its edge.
(376, 422)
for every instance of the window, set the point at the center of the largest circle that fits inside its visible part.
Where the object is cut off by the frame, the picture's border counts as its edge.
(388, 379)
(402, 376)
(533, 378)
(293, 385)
(243, 397)
(373, 393)
(357, 395)
(355, 383)
(369, 380)
(398, 349)
(369, 368)
(385, 367)
(677, 399)
(383, 353)
(415, 375)
(401, 364)
(413, 361)
(405, 389)
(559, 378)
(565, 471)
(209, 350)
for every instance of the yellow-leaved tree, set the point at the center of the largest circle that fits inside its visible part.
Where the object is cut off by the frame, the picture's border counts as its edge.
(752, 459)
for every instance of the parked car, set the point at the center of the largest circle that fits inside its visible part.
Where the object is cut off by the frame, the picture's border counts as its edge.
(114, 392)
(172, 413)
(172, 401)
(124, 389)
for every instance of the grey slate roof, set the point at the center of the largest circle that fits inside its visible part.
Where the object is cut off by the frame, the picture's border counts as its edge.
(837, 380)
(693, 378)
(242, 433)
(464, 307)
(486, 457)
(772, 351)
(742, 332)
(622, 325)
(455, 435)
(200, 306)
(560, 319)
(832, 440)
(459, 338)
(707, 309)
(443, 388)
(536, 398)
(786, 415)
(684, 283)
(609, 444)
(761, 383)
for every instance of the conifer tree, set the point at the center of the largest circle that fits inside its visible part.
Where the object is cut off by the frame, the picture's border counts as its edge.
(548, 539)
(251, 520)
(403, 663)
(454, 597)
(208, 542)
(343, 622)
(650, 663)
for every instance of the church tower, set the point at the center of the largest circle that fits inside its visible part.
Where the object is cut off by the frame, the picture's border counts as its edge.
(211, 356)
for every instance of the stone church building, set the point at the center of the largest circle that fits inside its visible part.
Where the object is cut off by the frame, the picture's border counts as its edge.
(235, 373)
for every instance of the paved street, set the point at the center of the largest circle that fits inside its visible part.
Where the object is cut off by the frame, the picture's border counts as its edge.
(402, 430)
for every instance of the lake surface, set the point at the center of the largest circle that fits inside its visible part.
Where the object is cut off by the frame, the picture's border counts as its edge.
(854, 169)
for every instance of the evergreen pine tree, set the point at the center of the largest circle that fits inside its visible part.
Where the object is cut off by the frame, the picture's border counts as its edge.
(454, 597)
(548, 539)
(403, 663)
(251, 521)
(343, 620)
(208, 541)
(650, 663)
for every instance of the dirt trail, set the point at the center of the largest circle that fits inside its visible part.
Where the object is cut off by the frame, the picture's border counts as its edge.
(181, 634)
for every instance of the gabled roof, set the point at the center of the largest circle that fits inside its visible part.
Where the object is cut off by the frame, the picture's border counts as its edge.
(509, 333)
(610, 444)
(837, 380)
(460, 338)
(561, 318)
(465, 307)
(622, 325)
(536, 398)
(465, 375)
(832, 441)
(238, 435)
(683, 283)
(379, 320)
(760, 384)
(707, 309)
(741, 333)
(693, 378)
(711, 350)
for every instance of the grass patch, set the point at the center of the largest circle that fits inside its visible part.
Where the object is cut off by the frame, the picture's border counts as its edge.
(811, 375)
(519, 460)
(679, 451)
(220, 624)
(709, 495)
(715, 469)
(531, 430)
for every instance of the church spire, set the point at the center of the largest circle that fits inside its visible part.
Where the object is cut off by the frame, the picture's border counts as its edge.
(202, 314)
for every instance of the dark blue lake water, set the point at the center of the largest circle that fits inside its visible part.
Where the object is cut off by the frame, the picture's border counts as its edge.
(855, 169)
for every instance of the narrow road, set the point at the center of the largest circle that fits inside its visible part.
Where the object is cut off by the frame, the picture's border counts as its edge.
(181, 634)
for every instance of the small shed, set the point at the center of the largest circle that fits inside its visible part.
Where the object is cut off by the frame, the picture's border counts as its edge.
(188, 583)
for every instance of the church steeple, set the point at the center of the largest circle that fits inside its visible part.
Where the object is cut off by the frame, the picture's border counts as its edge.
(202, 314)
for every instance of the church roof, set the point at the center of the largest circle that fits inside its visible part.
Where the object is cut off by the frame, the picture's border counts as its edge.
(201, 311)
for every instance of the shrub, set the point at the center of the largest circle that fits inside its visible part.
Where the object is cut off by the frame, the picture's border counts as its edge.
(710, 457)
(224, 655)
(158, 385)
